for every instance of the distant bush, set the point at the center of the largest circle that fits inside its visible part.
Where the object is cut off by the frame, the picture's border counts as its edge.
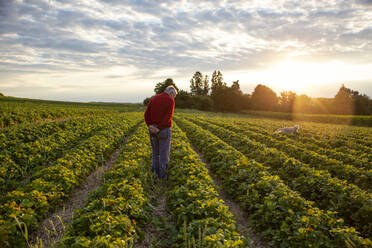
(146, 101)
(187, 100)
(1, 94)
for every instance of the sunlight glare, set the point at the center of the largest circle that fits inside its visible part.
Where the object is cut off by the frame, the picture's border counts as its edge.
(296, 74)
(301, 76)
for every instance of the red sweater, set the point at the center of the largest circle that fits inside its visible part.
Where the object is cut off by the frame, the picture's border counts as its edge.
(159, 111)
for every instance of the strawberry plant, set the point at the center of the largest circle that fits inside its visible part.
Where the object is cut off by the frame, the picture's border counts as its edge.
(281, 214)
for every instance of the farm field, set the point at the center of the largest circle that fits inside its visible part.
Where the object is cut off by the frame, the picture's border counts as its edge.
(232, 181)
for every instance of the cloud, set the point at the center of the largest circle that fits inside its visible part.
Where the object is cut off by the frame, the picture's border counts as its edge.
(365, 2)
(162, 37)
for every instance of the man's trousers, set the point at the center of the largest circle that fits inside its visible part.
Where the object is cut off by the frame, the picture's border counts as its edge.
(160, 144)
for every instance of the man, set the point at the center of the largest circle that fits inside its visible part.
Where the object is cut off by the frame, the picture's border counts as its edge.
(158, 117)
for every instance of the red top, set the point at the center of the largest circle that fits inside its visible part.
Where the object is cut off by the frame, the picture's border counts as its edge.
(159, 111)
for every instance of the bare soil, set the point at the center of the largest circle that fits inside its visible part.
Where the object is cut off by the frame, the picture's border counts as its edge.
(242, 221)
(51, 229)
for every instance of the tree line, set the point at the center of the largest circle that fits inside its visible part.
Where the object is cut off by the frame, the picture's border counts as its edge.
(216, 95)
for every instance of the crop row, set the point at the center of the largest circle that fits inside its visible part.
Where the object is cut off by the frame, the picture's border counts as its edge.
(11, 137)
(346, 158)
(282, 215)
(117, 210)
(29, 203)
(357, 176)
(13, 114)
(322, 135)
(353, 204)
(20, 159)
(353, 153)
(194, 203)
(277, 140)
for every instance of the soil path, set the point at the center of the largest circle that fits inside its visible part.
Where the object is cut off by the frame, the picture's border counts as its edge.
(241, 218)
(155, 234)
(51, 229)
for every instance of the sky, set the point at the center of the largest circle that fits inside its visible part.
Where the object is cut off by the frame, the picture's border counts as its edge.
(117, 50)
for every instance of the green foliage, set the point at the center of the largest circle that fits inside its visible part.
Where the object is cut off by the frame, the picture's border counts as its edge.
(115, 212)
(353, 204)
(146, 101)
(194, 202)
(50, 185)
(161, 86)
(186, 100)
(287, 101)
(47, 142)
(343, 101)
(264, 98)
(281, 214)
(349, 102)
(198, 85)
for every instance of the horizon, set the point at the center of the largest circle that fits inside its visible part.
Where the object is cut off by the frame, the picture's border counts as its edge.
(116, 51)
(141, 101)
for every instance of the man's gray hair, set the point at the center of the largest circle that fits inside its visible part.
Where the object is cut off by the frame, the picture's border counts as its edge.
(171, 89)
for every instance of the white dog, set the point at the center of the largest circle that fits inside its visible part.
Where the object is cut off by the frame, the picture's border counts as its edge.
(287, 130)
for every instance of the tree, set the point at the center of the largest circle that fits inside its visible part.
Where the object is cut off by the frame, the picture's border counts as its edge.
(146, 101)
(361, 105)
(187, 100)
(303, 104)
(286, 101)
(218, 88)
(217, 82)
(343, 101)
(161, 86)
(183, 100)
(264, 98)
(206, 85)
(245, 101)
(349, 102)
(233, 98)
(196, 84)
(236, 87)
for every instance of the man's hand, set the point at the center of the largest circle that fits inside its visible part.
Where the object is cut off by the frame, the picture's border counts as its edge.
(154, 129)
